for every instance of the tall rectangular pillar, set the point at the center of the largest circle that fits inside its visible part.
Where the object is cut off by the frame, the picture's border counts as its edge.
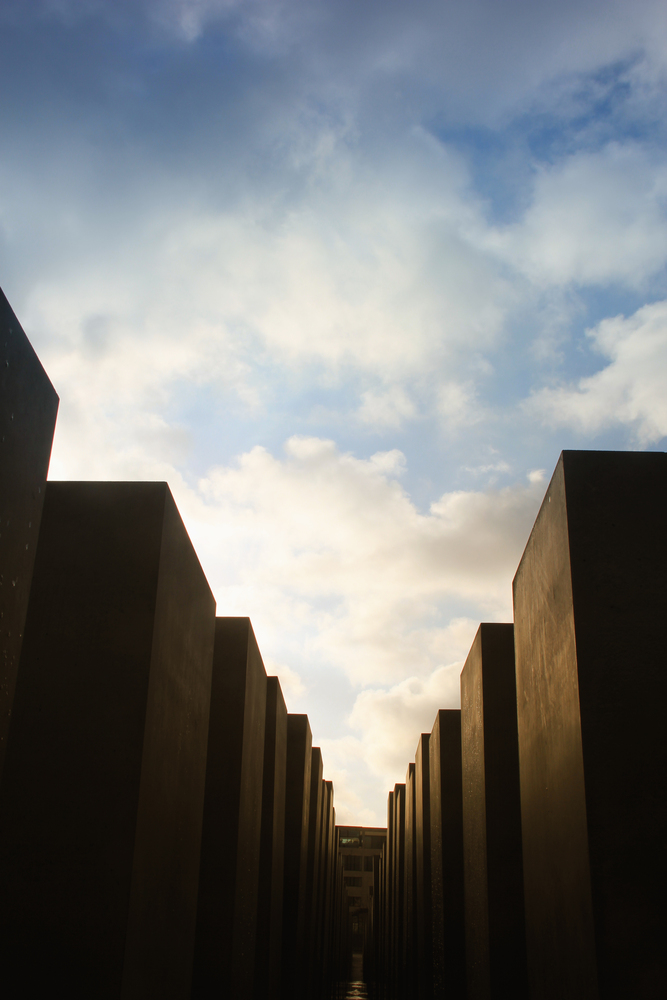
(449, 978)
(493, 864)
(398, 892)
(231, 834)
(409, 915)
(389, 892)
(101, 802)
(297, 819)
(309, 971)
(591, 635)
(423, 902)
(325, 891)
(272, 849)
(28, 409)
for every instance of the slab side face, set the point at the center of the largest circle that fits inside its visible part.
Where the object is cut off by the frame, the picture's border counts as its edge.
(507, 928)
(163, 900)
(28, 409)
(398, 891)
(449, 975)
(557, 886)
(68, 805)
(312, 872)
(424, 922)
(252, 776)
(495, 926)
(474, 825)
(270, 896)
(409, 915)
(232, 817)
(297, 813)
(618, 554)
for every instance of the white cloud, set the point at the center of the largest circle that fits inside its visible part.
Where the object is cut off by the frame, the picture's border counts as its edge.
(391, 720)
(334, 544)
(629, 390)
(594, 218)
(390, 408)
(291, 682)
(458, 406)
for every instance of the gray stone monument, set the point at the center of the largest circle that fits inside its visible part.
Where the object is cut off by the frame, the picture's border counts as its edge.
(422, 895)
(28, 408)
(272, 851)
(493, 864)
(103, 790)
(449, 979)
(591, 668)
(297, 820)
(231, 835)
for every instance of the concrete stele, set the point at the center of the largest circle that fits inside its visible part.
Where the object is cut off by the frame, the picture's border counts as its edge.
(591, 634)
(101, 803)
(28, 409)
(493, 865)
(231, 835)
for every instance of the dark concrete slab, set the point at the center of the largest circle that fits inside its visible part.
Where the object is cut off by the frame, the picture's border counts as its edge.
(101, 803)
(272, 851)
(409, 915)
(389, 902)
(493, 866)
(591, 634)
(312, 926)
(423, 902)
(449, 978)
(323, 984)
(28, 408)
(297, 819)
(231, 835)
(398, 891)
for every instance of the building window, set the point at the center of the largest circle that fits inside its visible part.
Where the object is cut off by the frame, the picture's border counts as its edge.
(352, 863)
(368, 863)
(353, 880)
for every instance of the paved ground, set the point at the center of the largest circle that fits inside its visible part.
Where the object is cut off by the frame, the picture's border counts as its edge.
(356, 988)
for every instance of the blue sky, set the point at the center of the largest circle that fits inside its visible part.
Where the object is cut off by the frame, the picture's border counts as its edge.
(349, 276)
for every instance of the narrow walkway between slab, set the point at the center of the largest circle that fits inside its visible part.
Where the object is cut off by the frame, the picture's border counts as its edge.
(356, 991)
(356, 988)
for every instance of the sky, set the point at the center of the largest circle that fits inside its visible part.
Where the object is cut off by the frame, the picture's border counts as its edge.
(348, 276)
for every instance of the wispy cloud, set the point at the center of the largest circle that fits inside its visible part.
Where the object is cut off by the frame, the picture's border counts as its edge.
(628, 391)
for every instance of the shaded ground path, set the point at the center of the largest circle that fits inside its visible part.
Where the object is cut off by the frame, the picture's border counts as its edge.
(356, 991)
(356, 988)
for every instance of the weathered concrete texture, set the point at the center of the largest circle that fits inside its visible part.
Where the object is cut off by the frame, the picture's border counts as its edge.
(28, 408)
(409, 915)
(297, 819)
(272, 851)
(231, 835)
(395, 891)
(493, 866)
(324, 893)
(315, 798)
(388, 895)
(422, 894)
(396, 950)
(101, 803)
(591, 634)
(449, 979)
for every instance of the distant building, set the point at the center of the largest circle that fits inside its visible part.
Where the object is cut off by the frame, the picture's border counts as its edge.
(357, 849)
